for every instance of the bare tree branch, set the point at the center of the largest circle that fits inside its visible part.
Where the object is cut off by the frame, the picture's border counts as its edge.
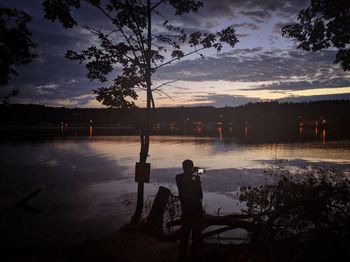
(166, 83)
(156, 5)
(162, 92)
(161, 15)
(119, 28)
(172, 60)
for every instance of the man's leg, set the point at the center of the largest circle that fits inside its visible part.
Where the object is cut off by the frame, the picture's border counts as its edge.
(196, 238)
(185, 237)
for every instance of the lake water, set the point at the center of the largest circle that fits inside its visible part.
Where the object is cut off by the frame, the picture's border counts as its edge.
(88, 182)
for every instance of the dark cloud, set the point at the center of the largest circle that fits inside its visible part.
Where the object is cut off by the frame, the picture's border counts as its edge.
(240, 51)
(277, 28)
(255, 8)
(250, 26)
(254, 65)
(191, 93)
(258, 11)
(223, 100)
(258, 16)
(302, 85)
(51, 77)
(206, 18)
(241, 36)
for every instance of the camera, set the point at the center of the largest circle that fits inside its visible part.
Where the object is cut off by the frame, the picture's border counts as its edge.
(199, 170)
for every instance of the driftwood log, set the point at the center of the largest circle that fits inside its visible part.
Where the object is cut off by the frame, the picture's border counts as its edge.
(228, 222)
(233, 221)
(156, 215)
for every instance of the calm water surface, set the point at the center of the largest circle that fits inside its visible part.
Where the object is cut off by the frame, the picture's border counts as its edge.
(88, 187)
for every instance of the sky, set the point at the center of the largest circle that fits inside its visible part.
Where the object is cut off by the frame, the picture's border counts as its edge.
(262, 66)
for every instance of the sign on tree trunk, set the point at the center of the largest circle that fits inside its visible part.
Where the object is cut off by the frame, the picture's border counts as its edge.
(142, 172)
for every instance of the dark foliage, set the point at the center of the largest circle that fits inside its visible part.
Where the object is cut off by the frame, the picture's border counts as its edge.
(5, 99)
(311, 210)
(324, 24)
(61, 10)
(15, 42)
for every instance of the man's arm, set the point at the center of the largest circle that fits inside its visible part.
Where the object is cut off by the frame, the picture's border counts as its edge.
(199, 187)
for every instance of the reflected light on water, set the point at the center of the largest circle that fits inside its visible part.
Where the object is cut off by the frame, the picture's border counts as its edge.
(169, 152)
(90, 131)
(323, 136)
(219, 130)
(199, 129)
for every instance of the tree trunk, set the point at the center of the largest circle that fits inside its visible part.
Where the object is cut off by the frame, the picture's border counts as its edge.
(145, 131)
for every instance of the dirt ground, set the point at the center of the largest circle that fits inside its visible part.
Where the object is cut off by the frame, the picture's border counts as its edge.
(129, 244)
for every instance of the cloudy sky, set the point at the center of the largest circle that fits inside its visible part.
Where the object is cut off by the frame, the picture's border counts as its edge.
(262, 66)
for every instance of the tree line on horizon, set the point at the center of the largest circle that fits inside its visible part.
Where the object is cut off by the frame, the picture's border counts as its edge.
(261, 114)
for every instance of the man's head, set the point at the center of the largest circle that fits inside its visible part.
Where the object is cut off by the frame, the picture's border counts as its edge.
(187, 166)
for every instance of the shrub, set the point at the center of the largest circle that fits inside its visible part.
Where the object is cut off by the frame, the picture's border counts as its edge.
(309, 209)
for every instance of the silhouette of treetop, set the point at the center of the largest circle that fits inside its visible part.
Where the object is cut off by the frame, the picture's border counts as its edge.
(324, 24)
(132, 43)
(15, 42)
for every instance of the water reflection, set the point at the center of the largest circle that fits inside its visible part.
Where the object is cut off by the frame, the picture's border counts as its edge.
(240, 134)
(168, 152)
(90, 131)
(316, 132)
(219, 130)
(86, 180)
(64, 170)
(323, 136)
(199, 129)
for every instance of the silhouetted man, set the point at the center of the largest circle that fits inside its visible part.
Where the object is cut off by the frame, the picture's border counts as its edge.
(191, 195)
